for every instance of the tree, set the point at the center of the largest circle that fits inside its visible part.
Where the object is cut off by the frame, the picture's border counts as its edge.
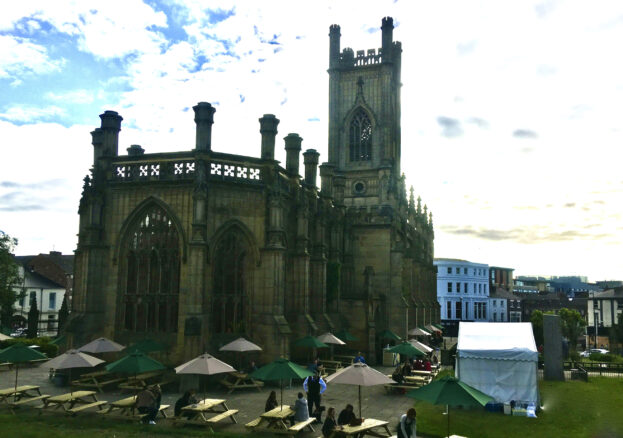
(33, 319)
(537, 327)
(63, 313)
(572, 326)
(9, 278)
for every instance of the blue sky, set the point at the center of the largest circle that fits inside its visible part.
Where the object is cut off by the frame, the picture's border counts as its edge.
(511, 110)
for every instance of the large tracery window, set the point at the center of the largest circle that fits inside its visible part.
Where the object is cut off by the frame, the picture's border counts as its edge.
(152, 256)
(228, 305)
(360, 137)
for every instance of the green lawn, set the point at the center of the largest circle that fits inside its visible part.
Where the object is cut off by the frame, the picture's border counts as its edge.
(571, 409)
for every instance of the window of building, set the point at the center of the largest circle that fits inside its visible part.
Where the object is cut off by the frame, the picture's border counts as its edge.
(449, 309)
(484, 288)
(449, 270)
(501, 303)
(495, 317)
(458, 287)
(52, 301)
(479, 288)
(51, 323)
(458, 270)
(458, 310)
(484, 310)
(492, 274)
(152, 262)
(449, 286)
(465, 271)
(475, 310)
(465, 287)
(360, 137)
(494, 303)
(33, 297)
(466, 310)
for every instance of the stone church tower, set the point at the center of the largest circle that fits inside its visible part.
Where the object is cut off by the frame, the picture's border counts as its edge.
(198, 247)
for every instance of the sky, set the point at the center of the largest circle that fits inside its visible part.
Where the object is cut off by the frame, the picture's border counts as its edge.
(511, 111)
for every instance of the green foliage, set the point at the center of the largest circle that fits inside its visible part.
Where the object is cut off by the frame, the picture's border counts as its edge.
(333, 280)
(599, 357)
(9, 277)
(537, 326)
(63, 313)
(574, 356)
(572, 326)
(44, 344)
(33, 319)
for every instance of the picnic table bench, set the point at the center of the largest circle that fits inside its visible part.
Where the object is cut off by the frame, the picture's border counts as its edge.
(275, 421)
(97, 380)
(140, 381)
(16, 404)
(346, 360)
(18, 393)
(67, 402)
(331, 366)
(5, 366)
(365, 428)
(196, 413)
(236, 380)
(126, 409)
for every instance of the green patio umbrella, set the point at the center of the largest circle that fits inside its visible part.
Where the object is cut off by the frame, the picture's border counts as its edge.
(407, 349)
(450, 391)
(310, 342)
(19, 353)
(281, 369)
(135, 363)
(388, 334)
(345, 336)
(146, 346)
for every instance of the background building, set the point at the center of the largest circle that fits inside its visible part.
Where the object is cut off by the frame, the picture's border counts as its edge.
(603, 310)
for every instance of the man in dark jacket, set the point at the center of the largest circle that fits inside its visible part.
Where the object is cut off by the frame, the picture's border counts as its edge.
(314, 386)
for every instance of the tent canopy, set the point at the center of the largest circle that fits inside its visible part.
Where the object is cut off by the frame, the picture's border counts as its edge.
(499, 359)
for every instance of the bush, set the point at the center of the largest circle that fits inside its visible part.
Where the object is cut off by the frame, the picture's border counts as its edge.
(45, 347)
(574, 356)
(599, 357)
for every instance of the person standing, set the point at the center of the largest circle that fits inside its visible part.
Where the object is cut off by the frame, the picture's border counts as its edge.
(314, 386)
(359, 358)
(407, 425)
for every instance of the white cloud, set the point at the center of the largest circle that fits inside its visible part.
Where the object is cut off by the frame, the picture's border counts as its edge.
(73, 96)
(19, 57)
(26, 113)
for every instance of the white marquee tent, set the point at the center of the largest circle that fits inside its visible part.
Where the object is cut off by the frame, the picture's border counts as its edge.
(499, 359)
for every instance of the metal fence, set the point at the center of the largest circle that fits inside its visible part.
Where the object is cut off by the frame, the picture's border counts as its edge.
(583, 370)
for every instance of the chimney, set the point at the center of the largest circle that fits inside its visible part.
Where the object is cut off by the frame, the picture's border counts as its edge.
(293, 149)
(387, 28)
(97, 139)
(135, 150)
(334, 45)
(111, 125)
(268, 129)
(310, 159)
(204, 118)
(326, 179)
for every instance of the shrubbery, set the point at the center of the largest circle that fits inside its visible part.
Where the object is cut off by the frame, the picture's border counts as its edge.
(599, 357)
(45, 347)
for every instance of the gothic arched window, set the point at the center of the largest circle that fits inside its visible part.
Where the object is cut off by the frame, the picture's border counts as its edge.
(152, 257)
(360, 140)
(228, 305)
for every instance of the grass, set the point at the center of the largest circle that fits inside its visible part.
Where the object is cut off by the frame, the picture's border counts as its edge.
(571, 409)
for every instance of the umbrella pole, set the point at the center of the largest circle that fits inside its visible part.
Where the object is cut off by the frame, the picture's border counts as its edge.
(359, 401)
(281, 385)
(15, 393)
(448, 411)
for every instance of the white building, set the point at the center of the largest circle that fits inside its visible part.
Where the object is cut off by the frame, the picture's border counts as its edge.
(462, 290)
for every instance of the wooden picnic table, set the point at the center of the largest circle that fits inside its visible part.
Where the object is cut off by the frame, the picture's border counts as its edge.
(196, 413)
(344, 359)
(140, 381)
(125, 406)
(422, 373)
(276, 418)
(365, 428)
(66, 402)
(236, 380)
(97, 380)
(17, 393)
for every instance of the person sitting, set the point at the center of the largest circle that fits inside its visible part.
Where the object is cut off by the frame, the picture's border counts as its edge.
(146, 404)
(252, 367)
(359, 358)
(313, 367)
(428, 366)
(330, 424)
(185, 400)
(397, 375)
(407, 425)
(271, 403)
(406, 369)
(301, 411)
(435, 360)
(347, 416)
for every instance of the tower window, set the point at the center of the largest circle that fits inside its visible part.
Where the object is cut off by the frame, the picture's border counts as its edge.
(360, 137)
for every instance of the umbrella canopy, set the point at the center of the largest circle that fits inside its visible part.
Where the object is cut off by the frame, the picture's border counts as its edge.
(407, 349)
(388, 334)
(135, 363)
(18, 353)
(101, 345)
(422, 347)
(4, 337)
(310, 342)
(240, 344)
(146, 346)
(440, 327)
(345, 336)
(431, 328)
(359, 374)
(418, 332)
(204, 364)
(450, 391)
(281, 369)
(72, 359)
(329, 338)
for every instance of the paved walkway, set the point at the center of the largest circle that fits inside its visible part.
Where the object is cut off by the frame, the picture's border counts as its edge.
(250, 402)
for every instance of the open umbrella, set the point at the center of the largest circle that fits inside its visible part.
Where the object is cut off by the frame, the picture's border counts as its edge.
(146, 346)
(135, 363)
(310, 342)
(331, 340)
(420, 346)
(281, 369)
(431, 328)
(418, 332)
(72, 359)
(450, 391)
(19, 353)
(359, 374)
(345, 336)
(101, 345)
(388, 334)
(406, 349)
(240, 345)
(205, 365)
